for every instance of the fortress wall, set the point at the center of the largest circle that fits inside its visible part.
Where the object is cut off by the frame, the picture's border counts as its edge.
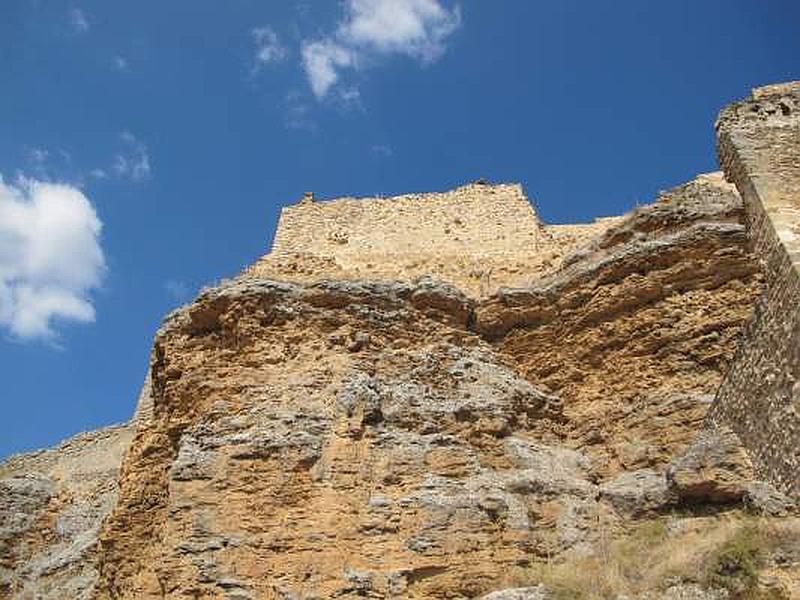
(759, 147)
(473, 220)
(478, 237)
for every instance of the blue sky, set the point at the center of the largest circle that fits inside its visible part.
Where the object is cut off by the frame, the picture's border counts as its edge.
(147, 147)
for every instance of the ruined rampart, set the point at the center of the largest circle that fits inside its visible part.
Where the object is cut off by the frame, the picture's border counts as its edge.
(478, 236)
(475, 219)
(759, 147)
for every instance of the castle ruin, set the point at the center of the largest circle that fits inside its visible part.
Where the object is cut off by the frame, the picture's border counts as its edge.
(478, 236)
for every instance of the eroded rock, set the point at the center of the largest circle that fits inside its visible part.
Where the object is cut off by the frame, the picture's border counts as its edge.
(715, 469)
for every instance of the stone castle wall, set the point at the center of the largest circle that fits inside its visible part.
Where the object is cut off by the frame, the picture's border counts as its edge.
(759, 146)
(475, 219)
(479, 237)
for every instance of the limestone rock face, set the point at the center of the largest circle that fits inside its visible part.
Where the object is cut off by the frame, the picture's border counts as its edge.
(52, 507)
(636, 331)
(282, 457)
(401, 438)
(715, 469)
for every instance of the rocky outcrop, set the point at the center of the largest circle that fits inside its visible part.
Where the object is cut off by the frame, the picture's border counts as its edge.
(527, 593)
(53, 505)
(288, 420)
(402, 439)
(433, 440)
(636, 332)
(715, 469)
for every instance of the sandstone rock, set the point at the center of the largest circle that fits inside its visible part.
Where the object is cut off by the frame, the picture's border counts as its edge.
(23, 501)
(635, 332)
(22, 498)
(435, 450)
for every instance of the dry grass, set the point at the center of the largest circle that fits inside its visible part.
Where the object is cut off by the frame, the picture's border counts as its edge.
(724, 552)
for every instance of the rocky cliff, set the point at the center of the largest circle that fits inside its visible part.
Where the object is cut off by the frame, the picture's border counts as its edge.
(346, 432)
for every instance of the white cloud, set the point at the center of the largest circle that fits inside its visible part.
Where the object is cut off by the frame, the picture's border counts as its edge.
(50, 257)
(134, 162)
(417, 28)
(322, 61)
(414, 28)
(78, 20)
(269, 48)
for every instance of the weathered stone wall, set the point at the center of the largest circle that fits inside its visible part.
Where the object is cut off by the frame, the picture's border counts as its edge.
(478, 237)
(759, 146)
(472, 219)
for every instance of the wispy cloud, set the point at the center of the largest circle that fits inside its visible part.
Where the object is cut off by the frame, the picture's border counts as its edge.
(50, 257)
(48, 164)
(298, 112)
(78, 20)
(373, 28)
(37, 159)
(130, 161)
(134, 161)
(38, 156)
(269, 48)
(119, 63)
